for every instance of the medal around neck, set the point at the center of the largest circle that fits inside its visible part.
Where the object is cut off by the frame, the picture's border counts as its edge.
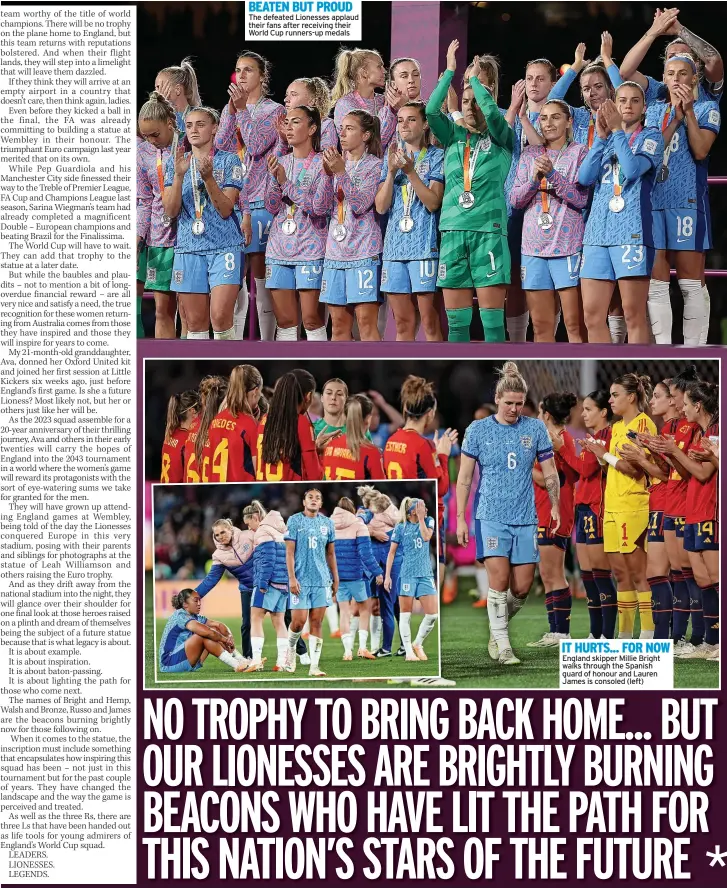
(406, 224)
(166, 220)
(289, 227)
(466, 200)
(616, 204)
(663, 173)
(545, 221)
(198, 227)
(338, 232)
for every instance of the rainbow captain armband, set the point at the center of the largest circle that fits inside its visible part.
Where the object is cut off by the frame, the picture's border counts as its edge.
(544, 455)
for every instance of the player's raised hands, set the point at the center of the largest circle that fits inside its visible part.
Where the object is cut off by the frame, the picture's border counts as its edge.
(238, 97)
(580, 61)
(611, 115)
(664, 20)
(602, 127)
(606, 49)
(181, 162)
(452, 55)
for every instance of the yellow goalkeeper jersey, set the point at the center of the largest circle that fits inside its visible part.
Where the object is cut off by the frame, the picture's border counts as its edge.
(625, 494)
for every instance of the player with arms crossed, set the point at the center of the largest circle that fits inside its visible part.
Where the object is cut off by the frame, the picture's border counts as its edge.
(312, 576)
(506, 447)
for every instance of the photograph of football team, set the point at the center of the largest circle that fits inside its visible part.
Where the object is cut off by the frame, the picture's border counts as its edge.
(274, 581)
(575, 499)
(543, 177)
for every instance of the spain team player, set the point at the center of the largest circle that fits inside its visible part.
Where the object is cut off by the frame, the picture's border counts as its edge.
(201, 189)
(286, 442)
(682, 226)
(233, 432)
(506, 446)
(555, 411)
(351, 455)
(355, 559)
(350, 283)
(546, 187)
(249, 126)
(210, 406)
(178, 85)
(626, 513)
(593, 562)
(211, 391)
(311, 92)
(412, 184)
(312, 576)
(158, 127)
(298, 194)
(416, 583)
(181, 413)
(618, 241)
(189, 637)
(474, 256)
(358, 73)
(270, 593)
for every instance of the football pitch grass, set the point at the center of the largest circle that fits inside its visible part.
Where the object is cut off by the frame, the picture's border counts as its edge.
(369, 674)
(465, 632)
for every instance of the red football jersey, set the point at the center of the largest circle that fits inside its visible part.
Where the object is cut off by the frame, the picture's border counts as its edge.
(592, 482)
(306, 468)
(339, 464)
(173, 457)
(568, 465)
(232, 445)
(702, 496)
(409, 455)
(192, 472)
(685, 433)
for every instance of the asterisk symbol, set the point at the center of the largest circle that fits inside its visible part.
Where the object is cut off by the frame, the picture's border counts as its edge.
(717, 856)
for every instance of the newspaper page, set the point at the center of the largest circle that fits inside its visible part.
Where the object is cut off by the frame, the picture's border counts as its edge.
(359, 514)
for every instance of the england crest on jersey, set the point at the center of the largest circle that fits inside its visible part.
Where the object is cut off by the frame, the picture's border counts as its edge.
(527, 442)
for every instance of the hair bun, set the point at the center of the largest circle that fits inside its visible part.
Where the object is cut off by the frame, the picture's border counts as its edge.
(509, 368)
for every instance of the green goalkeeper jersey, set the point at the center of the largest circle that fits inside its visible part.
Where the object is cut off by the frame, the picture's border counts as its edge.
(489, 212)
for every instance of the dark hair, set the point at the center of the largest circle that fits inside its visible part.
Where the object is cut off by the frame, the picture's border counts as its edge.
(369, 124)
(243, 379)
(417, 397)
(400, 61)
(685, 378)
(177, 409)
(633, 384)
(280, 437)
(263, 406)
(559, 405)
(706, 394)
(212, 398)
(263, 67)
(546, 63)
(346, 504)
(314, 118)
(312, 490)
(180, 598)
(601, 399)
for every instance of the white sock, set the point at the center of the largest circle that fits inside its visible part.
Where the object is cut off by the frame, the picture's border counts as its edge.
(286, 334)
(660, 313)
(347, 640)
(617, 329)
(363, 639)
(513, 604)
(517, 327)
(257, 646)
(425, 627)
(693, 311)
(240, 312)
(318, 335)
(316, 646)
(238, 656)
(557, 322)
(203, 335)
(646, 633)
(383, 316)
(405, 633)
(225, 334)
(265, 314)
(375, 624)
(282, 651)
(705, 326)
(483, 583)
(353, 629)
(228, 660)
(497, 614)
(332, 617)
(293, 639)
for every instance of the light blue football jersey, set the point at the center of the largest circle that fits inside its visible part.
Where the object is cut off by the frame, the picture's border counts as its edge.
(506, 455)
(417, 559)
(311, 536)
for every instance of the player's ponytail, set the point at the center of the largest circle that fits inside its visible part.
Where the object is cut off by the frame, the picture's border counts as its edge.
(212, 393)
(158, 108)
(179, 599)
(510, 380)
(348, 64)
(357, 410)
(254, 508)
(417, 397)
(638, 386)
(706, 394)
(177, 409)
(559, 405)
(367, 494)
(406, 504)
(371, 127)
(185, 76)
(243, 379)
(685, 378)
(347, 505)
(290, 396)
(319, 93)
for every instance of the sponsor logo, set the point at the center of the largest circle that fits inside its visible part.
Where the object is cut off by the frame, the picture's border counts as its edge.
(492, 543)
(649, 146)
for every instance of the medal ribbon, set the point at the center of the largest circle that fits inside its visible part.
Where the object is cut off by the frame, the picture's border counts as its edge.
(301, 175)
(617, 189)
(591, 131)
(341, 209)
(160, 155)
(241, 149)
(664, 125)
(470, 161)
(408, 196)
(544, 199)
(198, 205)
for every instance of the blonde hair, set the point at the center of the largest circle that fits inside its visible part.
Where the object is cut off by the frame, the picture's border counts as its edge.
(357, 410)
(510, 380)
(597, 67)
(243, 379)
(417, 397)
(367, 494)
(349, 63)
(380, 503)
(347, 505)
(222, 522)
(490, 66)
(254, 508)
(158, 108)
(320, 94)
(406, 504)
(212, 113)
(185, 76)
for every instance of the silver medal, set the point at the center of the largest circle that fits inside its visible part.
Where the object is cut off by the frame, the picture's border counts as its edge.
(406, 223)
(466, 200)
(338, 232)
(243, 166)
(545, 221)
(289, 226)
(616, 204)
(198, 227)
(663, 173)
(166, 221)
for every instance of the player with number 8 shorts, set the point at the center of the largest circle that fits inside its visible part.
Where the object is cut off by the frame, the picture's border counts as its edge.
(312, 576)
(506, 446)
(474, 254)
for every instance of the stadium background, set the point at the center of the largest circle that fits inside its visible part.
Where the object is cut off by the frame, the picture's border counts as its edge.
(214, 33)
